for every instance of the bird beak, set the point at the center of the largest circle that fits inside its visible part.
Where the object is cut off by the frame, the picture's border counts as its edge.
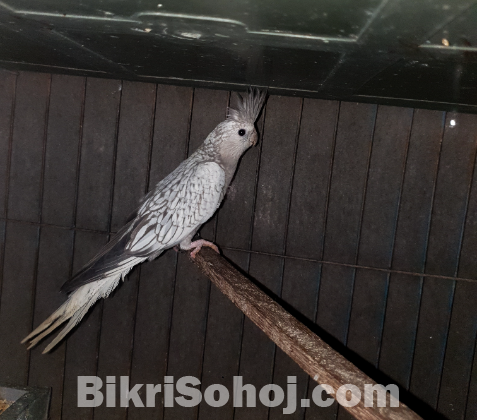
(254, 139)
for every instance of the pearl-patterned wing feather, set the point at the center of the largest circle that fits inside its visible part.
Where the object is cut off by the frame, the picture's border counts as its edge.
(178, 207)
(175, 209)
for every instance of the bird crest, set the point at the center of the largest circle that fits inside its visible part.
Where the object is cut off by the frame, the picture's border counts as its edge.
(247, 107)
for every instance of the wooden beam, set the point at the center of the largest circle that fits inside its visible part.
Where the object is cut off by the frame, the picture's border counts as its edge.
(312, 354)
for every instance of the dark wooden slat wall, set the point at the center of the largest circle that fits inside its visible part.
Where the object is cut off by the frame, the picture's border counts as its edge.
(190, 306)
(65, 119)
(270, 219)
(135, 129)
(467, 269)
(98, 154)
(359, 218)
(151, 335)
(258, 352)
(388, 156)
(133, 149)
(223, 345)
(18, 293)
(7, 95)
(58, 208)
(28, 146)
(314, 158)
(54, 263)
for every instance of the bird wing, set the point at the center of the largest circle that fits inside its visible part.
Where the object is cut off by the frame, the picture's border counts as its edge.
(179, 204)
(173, 212)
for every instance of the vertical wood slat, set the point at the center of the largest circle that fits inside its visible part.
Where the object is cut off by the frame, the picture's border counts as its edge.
(449, 207)
(2, 251)
(349, 172)
(116, 340)
(367, 314)
(171, 130)
(191, 297)
(431, 338)
(29, 127)
(258, 351)
(404, 296)
(98, 146)
(305, 233)
(400, 326)
(132, 156)
(157, 278)
(97, 153)
(467, 269)
(276, 170)
(299, 291)
(411, 237)
(16, 304)
(451, 196)
(54, 264)
(311, 181)
(222, 345)
(224, 322)
(58, 208)
(7, 106)
(61, 155)
(7, 96)
(82, 343)
(188, 328)
(417, 193)
(152, 330)
(334, 300)
(471, 403)
(208, 110)
(388, 159)
(347, 193)
(348, 182)
(459, 354)
(322, 180)
(460, 350)
(388, 156)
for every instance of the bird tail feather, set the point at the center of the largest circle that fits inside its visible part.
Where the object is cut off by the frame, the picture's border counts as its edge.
(74, 309)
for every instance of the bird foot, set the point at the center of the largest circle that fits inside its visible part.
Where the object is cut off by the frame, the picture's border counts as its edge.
(197, 245)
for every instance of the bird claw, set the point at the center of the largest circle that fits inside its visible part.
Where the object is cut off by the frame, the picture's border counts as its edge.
(197, 245)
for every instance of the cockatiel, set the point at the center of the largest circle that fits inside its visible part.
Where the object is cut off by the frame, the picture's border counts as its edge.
(170, 215)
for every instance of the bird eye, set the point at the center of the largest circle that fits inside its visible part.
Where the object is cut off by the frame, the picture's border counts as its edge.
(241, 132)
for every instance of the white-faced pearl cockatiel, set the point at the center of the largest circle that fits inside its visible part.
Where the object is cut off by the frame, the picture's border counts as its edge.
(170, 215)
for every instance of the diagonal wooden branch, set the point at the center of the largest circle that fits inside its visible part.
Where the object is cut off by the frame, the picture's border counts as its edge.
(313, 355)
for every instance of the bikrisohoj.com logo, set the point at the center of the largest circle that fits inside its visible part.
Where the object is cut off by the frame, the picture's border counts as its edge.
(93, 392)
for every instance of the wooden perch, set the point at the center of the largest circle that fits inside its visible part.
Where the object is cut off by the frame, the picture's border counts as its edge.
(313, 355)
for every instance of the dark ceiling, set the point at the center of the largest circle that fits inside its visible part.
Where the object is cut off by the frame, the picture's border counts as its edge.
(403, 52)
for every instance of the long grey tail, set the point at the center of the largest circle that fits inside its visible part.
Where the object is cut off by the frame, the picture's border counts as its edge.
(74, 309)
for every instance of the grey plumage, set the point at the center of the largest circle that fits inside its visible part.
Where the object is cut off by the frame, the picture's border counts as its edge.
(169, 215)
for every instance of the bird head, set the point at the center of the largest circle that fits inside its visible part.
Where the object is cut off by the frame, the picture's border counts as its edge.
(242, 118)
(232, 137)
